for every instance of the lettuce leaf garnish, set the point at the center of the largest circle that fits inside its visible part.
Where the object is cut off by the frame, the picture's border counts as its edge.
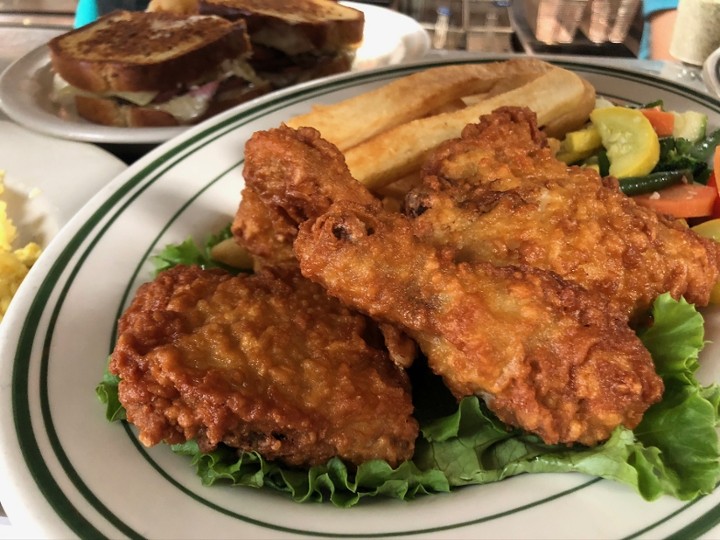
(107, 393)
(674, 451)
(683, 425)
(333, 481)
(189, 253)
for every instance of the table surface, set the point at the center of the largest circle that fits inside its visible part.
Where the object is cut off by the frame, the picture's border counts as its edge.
(15, 42)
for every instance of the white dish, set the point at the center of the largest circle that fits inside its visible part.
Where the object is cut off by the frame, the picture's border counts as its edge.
(389, 38)
(711, 72)
(67, 472)
(47, 180)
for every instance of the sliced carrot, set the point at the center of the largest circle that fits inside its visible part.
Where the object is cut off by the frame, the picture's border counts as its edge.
(716, 160)
(681, 200)
(712, 182)
(663, 122)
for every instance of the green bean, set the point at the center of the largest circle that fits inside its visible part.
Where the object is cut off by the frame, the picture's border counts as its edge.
(635, 185)
(703, 149)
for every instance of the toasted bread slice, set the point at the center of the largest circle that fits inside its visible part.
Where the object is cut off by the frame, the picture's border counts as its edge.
(133, 51)
(305, 26)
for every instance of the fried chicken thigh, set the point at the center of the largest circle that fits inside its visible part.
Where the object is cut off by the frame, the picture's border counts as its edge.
(545, 355)
(497, 194)
(265, 362)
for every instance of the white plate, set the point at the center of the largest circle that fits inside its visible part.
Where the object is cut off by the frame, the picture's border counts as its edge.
(47, 180)
(66, 472)
(389, 38)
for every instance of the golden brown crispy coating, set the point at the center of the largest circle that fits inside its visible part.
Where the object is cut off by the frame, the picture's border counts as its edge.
(545, 355)
(264, 232)
(285, 184)
(497, 194)
(298, 172)
(261, 362)
(287, 167)
(285, 173)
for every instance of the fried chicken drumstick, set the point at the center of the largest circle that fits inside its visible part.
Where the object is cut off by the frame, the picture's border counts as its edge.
(264, 362)
(267, 231)
(498, 194)
(544, 354)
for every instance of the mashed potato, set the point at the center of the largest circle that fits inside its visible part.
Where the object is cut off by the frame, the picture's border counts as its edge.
(14, 263)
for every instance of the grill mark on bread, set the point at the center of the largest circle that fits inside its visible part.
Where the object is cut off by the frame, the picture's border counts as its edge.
(302, 10)
(105, 56)
(327, 25)
(157, 40)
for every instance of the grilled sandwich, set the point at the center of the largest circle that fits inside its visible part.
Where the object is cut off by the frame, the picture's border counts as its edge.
(295, 41)
(138, 69)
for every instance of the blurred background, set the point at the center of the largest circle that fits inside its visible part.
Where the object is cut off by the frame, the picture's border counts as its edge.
(588, 27)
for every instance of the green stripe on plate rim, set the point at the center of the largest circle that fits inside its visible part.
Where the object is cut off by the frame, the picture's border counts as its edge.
(44, 479)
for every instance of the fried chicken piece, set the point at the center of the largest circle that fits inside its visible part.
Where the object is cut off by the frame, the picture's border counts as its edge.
(264, 362)
(264, 232)
(277, 157)
(266, 224)
(546, 355)
(498, 194)
(298, 173)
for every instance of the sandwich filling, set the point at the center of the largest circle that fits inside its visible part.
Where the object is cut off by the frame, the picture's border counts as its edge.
(186, 103)
(282, 70)
(315, 39)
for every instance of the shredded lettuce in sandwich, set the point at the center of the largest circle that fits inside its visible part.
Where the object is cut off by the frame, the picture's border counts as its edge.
(674, 451)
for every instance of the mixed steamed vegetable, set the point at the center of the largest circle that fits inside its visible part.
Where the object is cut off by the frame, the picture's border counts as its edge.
(661, 158)
(665, 160)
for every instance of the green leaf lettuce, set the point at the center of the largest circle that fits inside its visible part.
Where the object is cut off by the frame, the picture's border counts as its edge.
(189, 253)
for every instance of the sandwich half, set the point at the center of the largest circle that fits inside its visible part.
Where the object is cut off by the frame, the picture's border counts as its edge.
(295, 41)
(136, 69)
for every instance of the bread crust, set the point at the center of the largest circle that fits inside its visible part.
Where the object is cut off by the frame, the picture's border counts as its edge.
(327, 25)
(84, 57)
